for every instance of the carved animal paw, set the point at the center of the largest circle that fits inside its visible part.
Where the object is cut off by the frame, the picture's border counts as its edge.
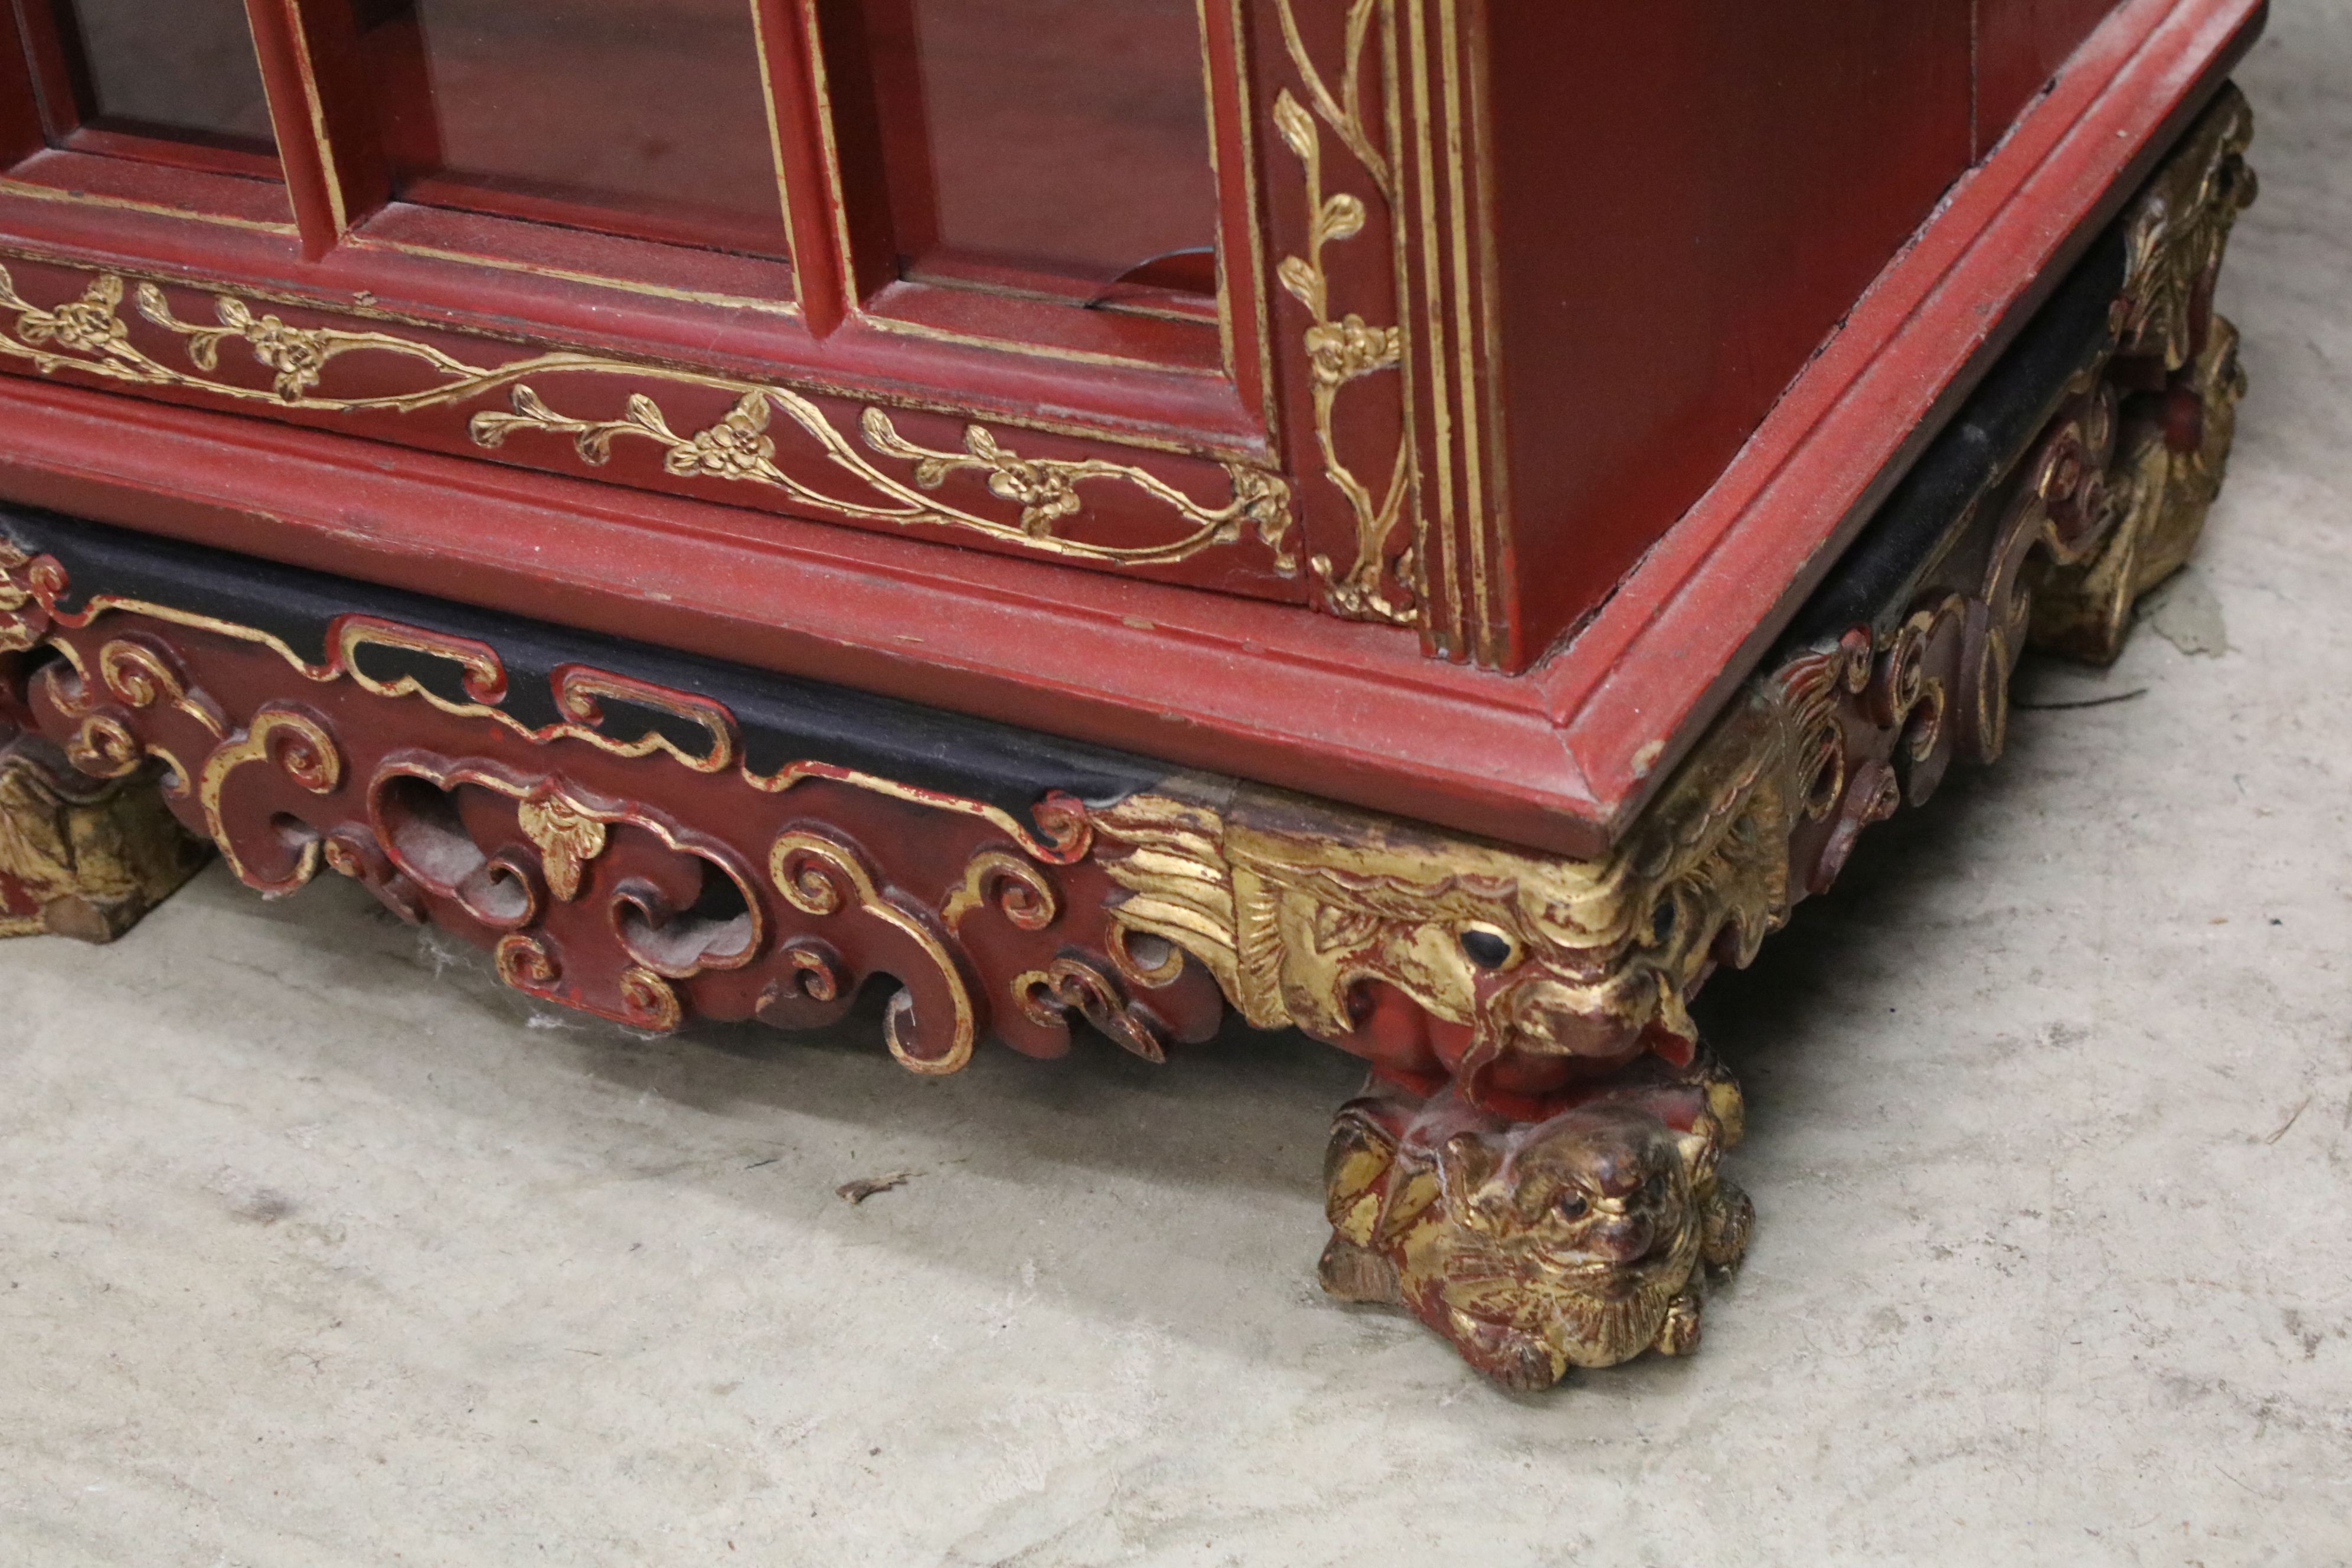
(1678, 1335)
(1515, 1360)
(1726, 1221)
(1354, 1273)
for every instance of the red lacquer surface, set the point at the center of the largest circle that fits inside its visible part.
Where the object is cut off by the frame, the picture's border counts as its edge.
(2021, 44)
(1057, 145)
(1784, 152)
(641, 117)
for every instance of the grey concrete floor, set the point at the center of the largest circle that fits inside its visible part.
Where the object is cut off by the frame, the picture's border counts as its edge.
(316, 1248)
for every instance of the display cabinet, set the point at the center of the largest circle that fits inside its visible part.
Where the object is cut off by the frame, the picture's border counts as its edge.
(1433, 522)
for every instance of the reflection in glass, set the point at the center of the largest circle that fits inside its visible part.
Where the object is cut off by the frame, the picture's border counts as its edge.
(635, 117)
(1059, 144)
(196, 79)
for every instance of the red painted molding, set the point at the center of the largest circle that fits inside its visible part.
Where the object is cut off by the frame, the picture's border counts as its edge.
(1557, 759)
(1633, 689)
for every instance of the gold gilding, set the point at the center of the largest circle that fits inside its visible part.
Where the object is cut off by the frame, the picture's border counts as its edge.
(82, 859)
(89, 335)
(1344, 349)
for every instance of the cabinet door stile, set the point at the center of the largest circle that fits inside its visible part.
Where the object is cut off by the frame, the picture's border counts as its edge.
(807, 171)
(57, 75)
(1241, 249)
(335, 172)
(21, 131)
(847, 118)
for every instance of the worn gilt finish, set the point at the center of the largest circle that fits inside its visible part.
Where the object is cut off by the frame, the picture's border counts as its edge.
(1527, 971)
(2182, 364)
(79, 857)
(1344, 348)
(1393, 93)
(1583, 1239)
(625, 875)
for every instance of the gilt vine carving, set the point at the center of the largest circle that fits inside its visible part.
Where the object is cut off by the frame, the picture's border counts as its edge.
(90, 335)
(1344, 349)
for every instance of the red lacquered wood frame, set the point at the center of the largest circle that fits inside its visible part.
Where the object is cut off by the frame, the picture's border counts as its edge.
(1560, 758)
(1510, 346)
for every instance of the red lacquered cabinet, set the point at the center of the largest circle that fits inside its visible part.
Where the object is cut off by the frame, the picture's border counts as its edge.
(1429, 522)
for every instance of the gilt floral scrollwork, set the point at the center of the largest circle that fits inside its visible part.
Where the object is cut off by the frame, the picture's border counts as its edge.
(296, 358)
(1342, 349)
(88, 326)
(90, 334)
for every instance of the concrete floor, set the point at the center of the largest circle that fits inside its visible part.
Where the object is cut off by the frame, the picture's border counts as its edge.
(316, 1248)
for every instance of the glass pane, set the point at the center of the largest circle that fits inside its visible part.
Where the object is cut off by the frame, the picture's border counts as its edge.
(635, 117)
(1063, 140)
(185, 71)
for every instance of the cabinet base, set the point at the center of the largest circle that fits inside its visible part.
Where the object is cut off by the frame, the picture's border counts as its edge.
(656, 839)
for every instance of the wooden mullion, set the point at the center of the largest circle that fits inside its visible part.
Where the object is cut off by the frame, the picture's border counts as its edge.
(57, 75)
(842, 108)
(807, 183)
(336, 174)
(21, 131)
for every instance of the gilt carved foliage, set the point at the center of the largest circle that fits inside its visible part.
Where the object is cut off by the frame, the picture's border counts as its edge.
(1352, 316)
(768, 438)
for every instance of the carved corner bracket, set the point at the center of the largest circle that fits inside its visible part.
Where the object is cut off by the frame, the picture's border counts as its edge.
(1580, 1236)
(2175, 382)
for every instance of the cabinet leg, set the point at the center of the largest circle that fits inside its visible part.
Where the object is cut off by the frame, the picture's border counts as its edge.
(1583, 1239)
(81, 856)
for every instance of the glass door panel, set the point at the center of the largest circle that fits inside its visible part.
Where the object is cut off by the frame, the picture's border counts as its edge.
(643, 118)
(183, 72)
(1058, 147)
